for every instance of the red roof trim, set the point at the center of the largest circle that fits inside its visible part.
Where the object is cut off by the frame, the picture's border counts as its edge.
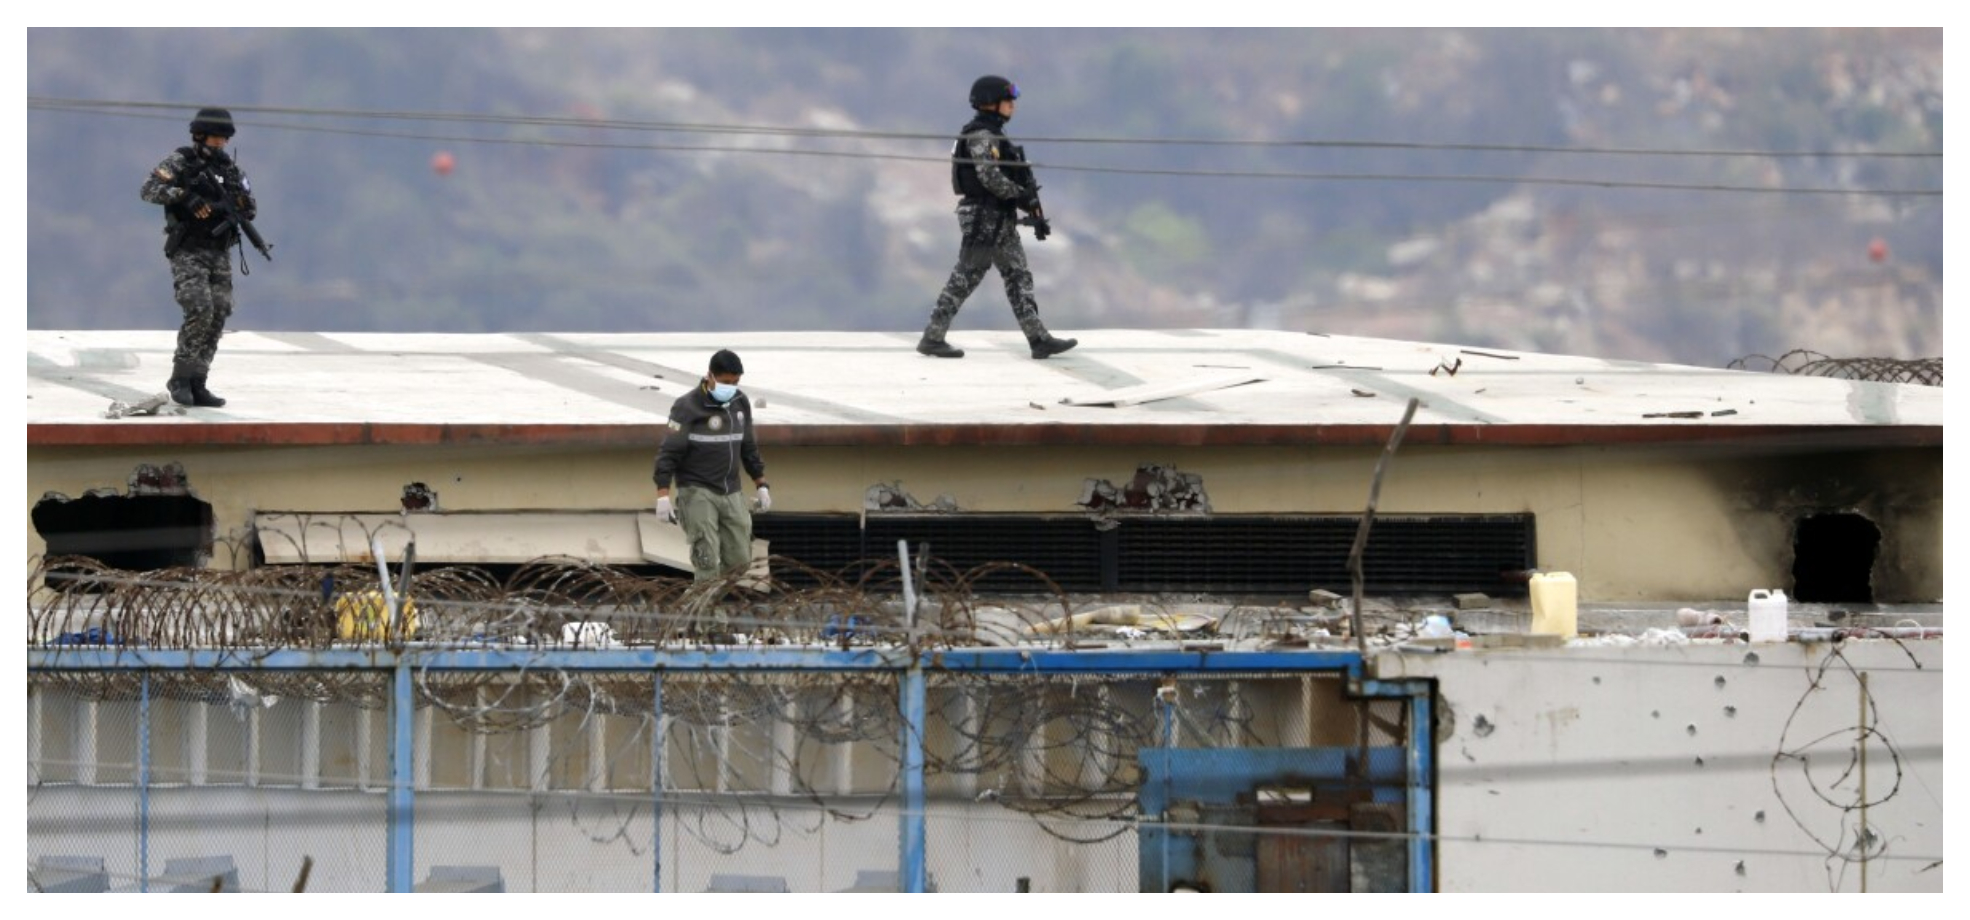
(301, 434)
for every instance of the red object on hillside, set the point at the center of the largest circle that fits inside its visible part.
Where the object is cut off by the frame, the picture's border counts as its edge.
(442, 163)
(1877, 250)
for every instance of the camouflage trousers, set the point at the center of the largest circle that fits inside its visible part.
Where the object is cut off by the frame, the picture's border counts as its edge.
(202, 282)
(991, 240)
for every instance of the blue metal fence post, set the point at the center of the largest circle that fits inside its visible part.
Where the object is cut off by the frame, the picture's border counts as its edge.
(1422, 814)
(657, 782)
(402, 754)
(913, 837)
(143, 786)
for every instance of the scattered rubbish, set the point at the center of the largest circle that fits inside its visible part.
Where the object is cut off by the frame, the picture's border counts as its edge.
(1486, 354)
(1672, 415)
(1723, 412)
(1435, 626)
(1442, 365)
(588, 634)
(1037, 406)
(845, 630)
(245, 698)
(1361, 392)
(1690, 616)
(155, 404)
(1471, 601)
(94, 635)
(1131, 616)
(1321, 597)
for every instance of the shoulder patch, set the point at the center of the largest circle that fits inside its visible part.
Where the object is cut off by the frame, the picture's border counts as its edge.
(164, 172)
(674, 426)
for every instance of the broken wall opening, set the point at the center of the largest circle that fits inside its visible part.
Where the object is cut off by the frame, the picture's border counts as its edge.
(1833, 558)
(137, 533)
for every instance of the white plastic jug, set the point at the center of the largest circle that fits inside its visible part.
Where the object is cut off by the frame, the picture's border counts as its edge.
(1767, 615)
(1554, 604)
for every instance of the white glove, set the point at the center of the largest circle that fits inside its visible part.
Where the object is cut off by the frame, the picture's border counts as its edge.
(665, 512)
(764, 501)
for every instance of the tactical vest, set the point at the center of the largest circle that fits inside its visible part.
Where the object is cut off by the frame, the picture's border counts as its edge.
(197, 232)
(964, 176)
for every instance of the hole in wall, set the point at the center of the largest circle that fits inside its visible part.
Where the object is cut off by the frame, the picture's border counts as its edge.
(136, 533)
(1833, 558)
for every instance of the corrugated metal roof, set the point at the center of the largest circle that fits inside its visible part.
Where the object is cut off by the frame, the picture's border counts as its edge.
(844, 388)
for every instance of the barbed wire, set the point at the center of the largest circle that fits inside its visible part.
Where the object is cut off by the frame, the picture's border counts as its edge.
(1808, 363)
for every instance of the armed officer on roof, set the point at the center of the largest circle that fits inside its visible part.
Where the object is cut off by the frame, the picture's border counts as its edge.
(990, 175)
(207, 205)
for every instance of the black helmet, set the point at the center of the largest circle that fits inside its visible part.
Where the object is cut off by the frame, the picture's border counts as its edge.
(217, 122)
(988, 91)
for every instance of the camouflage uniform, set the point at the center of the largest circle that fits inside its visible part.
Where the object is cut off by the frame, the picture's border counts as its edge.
(989, 174)
(201, 263)
(990, 239)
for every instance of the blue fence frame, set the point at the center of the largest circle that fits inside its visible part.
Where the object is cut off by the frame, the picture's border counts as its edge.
(1419, 769)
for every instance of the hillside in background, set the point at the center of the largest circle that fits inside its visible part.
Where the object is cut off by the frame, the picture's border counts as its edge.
(1665, 195)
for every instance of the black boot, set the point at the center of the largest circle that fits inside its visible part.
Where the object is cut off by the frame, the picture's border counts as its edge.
(938, 348)
(180, 385)
(202, 396)
(1049, 346)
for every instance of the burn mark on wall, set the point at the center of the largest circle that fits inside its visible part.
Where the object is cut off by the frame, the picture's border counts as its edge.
(1897, 493)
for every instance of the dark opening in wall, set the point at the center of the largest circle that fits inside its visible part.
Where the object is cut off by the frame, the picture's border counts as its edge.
(1833, 559)
(132, 532)
(1259, 554)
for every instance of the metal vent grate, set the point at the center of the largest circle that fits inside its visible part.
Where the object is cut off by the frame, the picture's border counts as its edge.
(1067, 548)
(831, 543)
(1405, 554)
(1259, 554)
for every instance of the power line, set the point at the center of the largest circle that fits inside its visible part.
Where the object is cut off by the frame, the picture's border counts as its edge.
(78, 105)
(1055, 166)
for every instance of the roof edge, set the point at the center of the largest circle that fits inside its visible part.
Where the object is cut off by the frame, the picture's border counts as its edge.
(302, 434)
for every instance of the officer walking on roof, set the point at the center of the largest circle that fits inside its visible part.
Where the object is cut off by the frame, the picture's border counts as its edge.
(993, 182)
(710, 440)
(201, 265)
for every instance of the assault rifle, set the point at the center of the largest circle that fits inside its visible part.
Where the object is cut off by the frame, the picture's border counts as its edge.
(1036, 217)
(1021, 171)
(211, 189)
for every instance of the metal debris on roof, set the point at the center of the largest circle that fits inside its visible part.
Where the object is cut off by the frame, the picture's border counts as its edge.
(1151, 392)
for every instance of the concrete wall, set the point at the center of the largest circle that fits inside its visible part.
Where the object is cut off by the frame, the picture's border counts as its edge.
(1654, 524)
(1723, 767)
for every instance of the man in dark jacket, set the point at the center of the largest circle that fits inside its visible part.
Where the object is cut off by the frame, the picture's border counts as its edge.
(993, 183)
(709, 442)
(197, 237)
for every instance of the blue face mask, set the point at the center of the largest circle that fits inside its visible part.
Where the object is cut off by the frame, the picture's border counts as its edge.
(723, 392)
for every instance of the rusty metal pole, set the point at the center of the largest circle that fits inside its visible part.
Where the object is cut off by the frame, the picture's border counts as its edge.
(1368, 520)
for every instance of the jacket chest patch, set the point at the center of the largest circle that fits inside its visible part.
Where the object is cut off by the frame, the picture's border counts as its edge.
(715, 423)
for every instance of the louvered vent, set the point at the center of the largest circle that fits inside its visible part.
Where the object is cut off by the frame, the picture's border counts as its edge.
(1258, 554)
(1067, 548)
